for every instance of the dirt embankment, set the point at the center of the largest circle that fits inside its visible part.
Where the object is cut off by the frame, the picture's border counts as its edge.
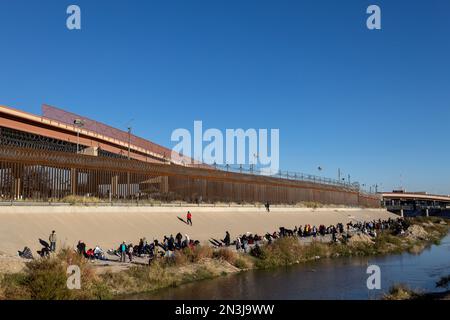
(107, 227)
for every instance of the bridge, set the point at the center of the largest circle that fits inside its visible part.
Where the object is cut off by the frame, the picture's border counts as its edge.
(415, 203)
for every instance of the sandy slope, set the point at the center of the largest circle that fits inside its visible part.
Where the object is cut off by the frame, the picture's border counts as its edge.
(108, 226)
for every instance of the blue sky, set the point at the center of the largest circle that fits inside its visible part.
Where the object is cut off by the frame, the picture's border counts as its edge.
(374, 103)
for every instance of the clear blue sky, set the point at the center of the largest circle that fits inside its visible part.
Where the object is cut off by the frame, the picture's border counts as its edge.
(374, 103)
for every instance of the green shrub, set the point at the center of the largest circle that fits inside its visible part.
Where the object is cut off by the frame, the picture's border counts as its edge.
(287, 251)
(46, 280)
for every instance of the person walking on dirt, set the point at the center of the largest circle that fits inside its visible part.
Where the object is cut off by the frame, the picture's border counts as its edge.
(267, 206)
(189, 218)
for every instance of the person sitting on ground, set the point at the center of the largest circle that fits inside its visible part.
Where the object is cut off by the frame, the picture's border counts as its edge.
(26, 253)
(256, 239)
(90, 254)
(147, 247)
(98, 253)
(44, 252)
(268, 237)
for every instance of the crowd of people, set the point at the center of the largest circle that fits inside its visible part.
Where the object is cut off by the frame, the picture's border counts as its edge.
(338, 232)
(169, 245)
(148, 249)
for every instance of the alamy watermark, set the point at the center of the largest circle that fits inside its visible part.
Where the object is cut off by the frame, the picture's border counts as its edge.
(235, 147)
(73, 21)
(74, 278)
(374, 20)
(374, 280)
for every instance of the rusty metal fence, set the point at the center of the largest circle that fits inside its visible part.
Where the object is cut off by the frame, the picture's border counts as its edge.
(288, 175)
(27, 174)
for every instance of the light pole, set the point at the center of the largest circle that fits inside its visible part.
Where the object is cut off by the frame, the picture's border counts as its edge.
(128, 173)
(78, 123)
(255, 163)
(129, 141)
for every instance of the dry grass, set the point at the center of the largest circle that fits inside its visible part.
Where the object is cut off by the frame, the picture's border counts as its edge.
(160, 275)
(46, 279)
(74, 200)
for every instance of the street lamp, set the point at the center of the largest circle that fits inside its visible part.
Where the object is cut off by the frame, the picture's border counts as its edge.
(129, 141)
(79, 124)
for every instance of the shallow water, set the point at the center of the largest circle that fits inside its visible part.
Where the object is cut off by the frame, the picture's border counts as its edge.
(343, 278)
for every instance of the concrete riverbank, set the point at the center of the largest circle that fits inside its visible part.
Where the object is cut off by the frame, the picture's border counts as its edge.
(108, 226)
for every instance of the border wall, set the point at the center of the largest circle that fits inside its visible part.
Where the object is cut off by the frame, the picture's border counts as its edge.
(41, 175)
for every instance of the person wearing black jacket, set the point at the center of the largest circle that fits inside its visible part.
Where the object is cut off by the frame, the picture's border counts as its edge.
(227, 239)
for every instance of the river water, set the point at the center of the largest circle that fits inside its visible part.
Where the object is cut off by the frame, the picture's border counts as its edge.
(343, 278)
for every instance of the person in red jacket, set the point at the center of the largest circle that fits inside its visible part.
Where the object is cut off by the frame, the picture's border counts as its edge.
(189, 218)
